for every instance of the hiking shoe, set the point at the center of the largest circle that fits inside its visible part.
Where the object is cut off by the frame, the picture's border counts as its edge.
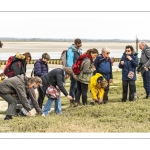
(91, 103)
(8, 117)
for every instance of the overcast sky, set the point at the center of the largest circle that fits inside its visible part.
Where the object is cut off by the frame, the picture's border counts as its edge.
(90, 25)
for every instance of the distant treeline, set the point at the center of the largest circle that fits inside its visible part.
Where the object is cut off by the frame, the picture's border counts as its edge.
(63, 40)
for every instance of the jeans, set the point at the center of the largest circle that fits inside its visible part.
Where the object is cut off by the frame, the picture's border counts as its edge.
(73, 87)
(48, 106)
(24, 111)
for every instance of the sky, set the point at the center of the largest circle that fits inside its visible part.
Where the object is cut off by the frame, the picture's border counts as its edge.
(108, 22)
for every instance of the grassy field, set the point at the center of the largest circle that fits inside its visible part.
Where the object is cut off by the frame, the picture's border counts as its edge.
(112, 117)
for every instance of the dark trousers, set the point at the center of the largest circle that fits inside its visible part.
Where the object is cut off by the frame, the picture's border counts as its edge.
(125, 85)
(146, 82)
(73, 87)
(82, 89)
(105, 97)
(12, 103)
(41, 97)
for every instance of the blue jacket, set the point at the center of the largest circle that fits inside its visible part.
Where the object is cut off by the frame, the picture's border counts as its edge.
(103, 66)
(72, 55)
(129, 65)
(40, 68)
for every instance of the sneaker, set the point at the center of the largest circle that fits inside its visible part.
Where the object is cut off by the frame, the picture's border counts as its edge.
(100, 103)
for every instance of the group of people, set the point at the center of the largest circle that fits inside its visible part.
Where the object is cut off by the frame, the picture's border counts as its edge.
(95, 75)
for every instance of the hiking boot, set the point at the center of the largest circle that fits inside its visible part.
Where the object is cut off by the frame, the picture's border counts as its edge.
(92, 103)
(100, 103)
(8, 117)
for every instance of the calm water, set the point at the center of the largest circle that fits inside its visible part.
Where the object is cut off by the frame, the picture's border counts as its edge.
(56, 55)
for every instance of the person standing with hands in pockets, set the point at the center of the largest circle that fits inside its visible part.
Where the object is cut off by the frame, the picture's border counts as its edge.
(128, 64)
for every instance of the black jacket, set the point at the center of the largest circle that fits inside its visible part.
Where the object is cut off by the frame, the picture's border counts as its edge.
(54, 77)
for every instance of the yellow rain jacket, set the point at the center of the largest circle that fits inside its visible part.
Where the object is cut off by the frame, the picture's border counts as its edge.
(96, 91)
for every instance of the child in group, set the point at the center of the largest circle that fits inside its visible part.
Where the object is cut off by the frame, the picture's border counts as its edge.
(97, 85)
(2, 77)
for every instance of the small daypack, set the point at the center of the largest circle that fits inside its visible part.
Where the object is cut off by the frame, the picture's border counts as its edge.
(7, 70)
(63, 57)
(76, 67)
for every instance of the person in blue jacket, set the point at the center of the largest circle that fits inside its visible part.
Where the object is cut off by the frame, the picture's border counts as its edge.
(73, 53)
(103, 65)
(128, 64)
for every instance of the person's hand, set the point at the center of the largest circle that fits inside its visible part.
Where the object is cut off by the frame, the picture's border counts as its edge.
(43, 115)
(146, 68)
(122, 62)
(69, 97)
(111, 81)
(129, 57)
(29, 114)
(74, 76)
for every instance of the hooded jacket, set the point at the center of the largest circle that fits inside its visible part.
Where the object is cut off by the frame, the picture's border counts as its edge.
(72, 55)
(94, 86)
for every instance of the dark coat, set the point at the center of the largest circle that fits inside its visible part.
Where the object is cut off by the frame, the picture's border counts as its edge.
(55, 77)
(18, 66)
(40, 68)
(129, 65)
(16, 85)
(103, 66)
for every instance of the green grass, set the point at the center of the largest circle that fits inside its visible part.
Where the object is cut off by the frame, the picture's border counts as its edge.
(112, 117)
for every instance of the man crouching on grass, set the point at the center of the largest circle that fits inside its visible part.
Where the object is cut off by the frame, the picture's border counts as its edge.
(17, 85)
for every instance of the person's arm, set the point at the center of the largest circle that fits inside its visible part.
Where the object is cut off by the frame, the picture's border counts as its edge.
(38, 69)
(70, 56)
(59, 79)
(32, 96)
(87, 66)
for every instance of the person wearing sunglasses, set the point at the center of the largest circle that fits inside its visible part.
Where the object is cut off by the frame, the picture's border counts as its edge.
(144, 67)
(128, 64)
(103, 66)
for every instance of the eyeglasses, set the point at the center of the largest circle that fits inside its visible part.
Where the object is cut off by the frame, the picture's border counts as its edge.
(128, 51)
(108, 53)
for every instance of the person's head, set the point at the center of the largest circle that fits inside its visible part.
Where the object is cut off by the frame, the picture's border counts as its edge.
(142, 45)
(77, 43)
(27, 57)
(105, 52)
(129, 49)
(45, 57)
(68, 72)
(93, 52)
(34, 82)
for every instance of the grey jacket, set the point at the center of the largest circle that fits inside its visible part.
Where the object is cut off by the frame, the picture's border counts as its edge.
(86, 71)
(16, 85)
(144, 60)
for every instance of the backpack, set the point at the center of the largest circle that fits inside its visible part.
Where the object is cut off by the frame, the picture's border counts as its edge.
(63, 57)
(77, 65)
(7, 70)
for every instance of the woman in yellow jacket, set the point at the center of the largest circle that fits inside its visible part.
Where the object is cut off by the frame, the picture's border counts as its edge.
(96, 86)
